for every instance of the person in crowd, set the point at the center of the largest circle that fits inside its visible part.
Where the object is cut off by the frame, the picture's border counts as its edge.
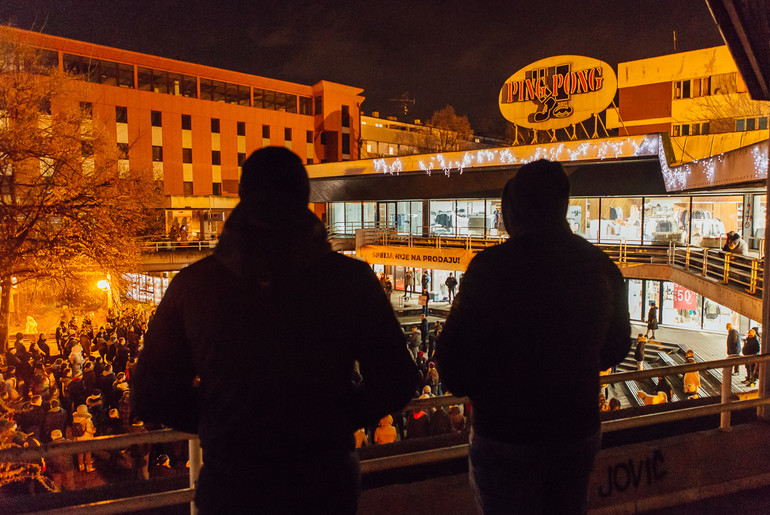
(61, 334)
(641, 341)
(652, 320)
(140, 453)
(432, 379)
(55, 419)
(424, 329)
(385, 432)
(388, 286)
(408, 283)
(751, 348)
(733, 344)
(691, 382)
(451, 284)
(45, 349)
(662, 386)
(414, 341)
(361, 439)
(61, 467)
(657, 398)
(614, 404)
(124, 408)
(83, 429)
(439, 422)
(256, 444)
(76, 358)
(530, 457)
(32, 419)
(735, 244)
(162, 467)
(95, 405)
(425, 281)
(433, 339)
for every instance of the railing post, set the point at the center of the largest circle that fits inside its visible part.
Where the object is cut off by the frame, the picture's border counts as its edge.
(196, 461)
(687, 259)
(705, 262)
(727, 384)
(726, 277)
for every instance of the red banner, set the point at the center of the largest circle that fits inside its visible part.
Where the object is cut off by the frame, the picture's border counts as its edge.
(684, 298)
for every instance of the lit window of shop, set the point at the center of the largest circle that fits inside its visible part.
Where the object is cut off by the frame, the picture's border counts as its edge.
(495, 225)
(583, 217)
(666, 219)
(353, 217)
(404, 220)
(336, 217)
(635, 301)
(621, 220)
(681, 307)
(443, 217)
(759, 209)
(470, 218)
(713, 217)
(715, 316)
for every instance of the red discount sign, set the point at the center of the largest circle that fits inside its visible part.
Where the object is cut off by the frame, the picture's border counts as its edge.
(684, 298)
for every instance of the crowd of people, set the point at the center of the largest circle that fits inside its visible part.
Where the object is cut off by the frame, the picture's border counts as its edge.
(79, 393)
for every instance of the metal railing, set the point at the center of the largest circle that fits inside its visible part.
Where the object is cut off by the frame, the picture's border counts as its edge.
(730, 269)
(682, 411)
(168, 245)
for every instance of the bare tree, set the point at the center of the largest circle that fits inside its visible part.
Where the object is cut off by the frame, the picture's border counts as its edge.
(68, 210)
(447, 130)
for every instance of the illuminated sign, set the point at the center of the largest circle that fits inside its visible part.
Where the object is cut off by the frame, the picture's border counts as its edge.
(417, 257)
(557, 92)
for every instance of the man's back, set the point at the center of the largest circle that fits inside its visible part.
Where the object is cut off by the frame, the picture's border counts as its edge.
(544, 312)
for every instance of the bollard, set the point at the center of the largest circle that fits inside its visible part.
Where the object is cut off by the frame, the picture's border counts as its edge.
(727, 383)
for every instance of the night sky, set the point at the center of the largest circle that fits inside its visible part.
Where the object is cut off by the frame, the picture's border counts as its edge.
(441, 53)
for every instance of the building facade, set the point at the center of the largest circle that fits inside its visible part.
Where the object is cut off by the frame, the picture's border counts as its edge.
(194, 125)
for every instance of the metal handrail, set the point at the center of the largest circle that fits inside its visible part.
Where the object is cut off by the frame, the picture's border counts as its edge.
(385, 463)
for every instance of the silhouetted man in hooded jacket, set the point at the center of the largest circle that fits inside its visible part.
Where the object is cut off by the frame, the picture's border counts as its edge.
(272, 324)
(545, 311)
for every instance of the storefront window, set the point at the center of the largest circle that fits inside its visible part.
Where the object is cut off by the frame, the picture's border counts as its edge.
(470, 218)
(336, 217)
(416, 217)
(353, 217)
(665, 219)
(635, 299)
(404, 218)
(715, 316)
(652, 294)
(443, 220)
(583, 217)
(713, 217)
(681, 307)
(370, 213)
(495, 224)
(621, 220)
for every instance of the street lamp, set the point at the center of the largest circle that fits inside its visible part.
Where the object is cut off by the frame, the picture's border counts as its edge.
(105, 286)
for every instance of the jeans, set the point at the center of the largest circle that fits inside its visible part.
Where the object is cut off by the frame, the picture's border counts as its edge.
(509, 478)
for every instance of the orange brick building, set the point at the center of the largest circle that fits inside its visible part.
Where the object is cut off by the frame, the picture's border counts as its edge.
(194, 125)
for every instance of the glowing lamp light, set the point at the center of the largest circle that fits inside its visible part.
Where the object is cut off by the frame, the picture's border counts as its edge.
(103, 284)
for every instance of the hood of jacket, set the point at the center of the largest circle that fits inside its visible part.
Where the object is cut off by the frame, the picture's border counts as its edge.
(266, 239)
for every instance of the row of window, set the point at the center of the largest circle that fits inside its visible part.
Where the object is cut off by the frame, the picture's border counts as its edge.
(720, 84)
(101, 71)
(740, 125)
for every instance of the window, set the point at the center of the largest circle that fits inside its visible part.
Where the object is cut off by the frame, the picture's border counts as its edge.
(319, 105)
(241, 158)
(156, 118)
(345, 118)
(305, 105)
(187, 187)
(241, 128)
(87, 109)
(122, 150)
(216, 188)
(187, 155)
(287, 134)
(310, 160)
(157, 153)
(309, 137)
(215, 125)
(265, 131)
(121, 114)
(346, 143)
(186, 122)
(216, 158)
